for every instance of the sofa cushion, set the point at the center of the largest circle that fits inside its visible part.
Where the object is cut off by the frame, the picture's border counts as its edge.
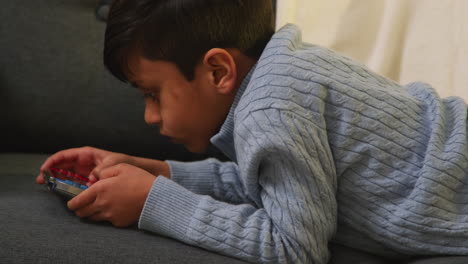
(37, 227)
(55, 92)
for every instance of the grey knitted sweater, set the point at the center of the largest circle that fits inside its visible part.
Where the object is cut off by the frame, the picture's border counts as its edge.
(323, 149)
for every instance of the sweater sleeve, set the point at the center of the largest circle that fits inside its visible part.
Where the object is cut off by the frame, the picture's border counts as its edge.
(288, 168)
(210, 177)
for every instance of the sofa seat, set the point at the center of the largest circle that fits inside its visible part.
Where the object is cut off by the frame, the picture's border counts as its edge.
(37, 227)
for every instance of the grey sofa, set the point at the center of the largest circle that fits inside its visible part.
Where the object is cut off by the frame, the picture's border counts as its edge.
(56, 94)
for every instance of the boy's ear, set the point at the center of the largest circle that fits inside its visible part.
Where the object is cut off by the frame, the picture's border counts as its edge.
(222, 70)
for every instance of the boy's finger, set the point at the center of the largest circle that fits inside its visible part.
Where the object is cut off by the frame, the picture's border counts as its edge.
(96, 172)
(92, 179)
(87, 211)
(69, 166)
(63, 157)
(97, 217)
(40, 179)
(106, 163)
(109, 172)
(85, 198)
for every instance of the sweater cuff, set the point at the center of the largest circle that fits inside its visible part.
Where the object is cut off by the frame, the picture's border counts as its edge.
(168, 209)
(197, 176)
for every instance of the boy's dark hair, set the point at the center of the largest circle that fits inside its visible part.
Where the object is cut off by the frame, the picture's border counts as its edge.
(182, 31)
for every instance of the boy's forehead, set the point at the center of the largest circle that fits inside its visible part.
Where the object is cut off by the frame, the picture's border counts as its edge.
(139, 68)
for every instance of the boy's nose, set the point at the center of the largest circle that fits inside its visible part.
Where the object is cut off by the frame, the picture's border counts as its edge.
(152, 116)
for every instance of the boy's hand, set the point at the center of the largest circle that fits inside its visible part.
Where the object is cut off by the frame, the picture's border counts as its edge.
(90, 162)
(85, 161)
(118, 197)
(155, 167)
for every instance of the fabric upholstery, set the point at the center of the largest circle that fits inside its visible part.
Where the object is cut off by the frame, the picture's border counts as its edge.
(55, 92)
(37, 227)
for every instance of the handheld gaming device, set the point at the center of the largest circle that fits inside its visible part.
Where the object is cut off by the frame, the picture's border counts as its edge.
(65, 182)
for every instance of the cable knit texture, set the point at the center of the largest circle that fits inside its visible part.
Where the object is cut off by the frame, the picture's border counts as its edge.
(323, 149)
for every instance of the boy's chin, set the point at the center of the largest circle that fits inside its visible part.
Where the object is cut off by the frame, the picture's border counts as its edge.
(197, 148)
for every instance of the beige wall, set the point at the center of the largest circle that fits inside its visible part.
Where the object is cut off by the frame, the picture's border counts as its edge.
(405, 40)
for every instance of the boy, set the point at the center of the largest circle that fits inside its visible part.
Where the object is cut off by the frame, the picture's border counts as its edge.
(306, 129)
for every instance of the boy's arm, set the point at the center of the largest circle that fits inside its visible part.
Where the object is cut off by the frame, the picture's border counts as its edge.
(210, 177)
(289, 173)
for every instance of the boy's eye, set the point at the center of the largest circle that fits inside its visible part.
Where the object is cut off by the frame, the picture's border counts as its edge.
(151, 95)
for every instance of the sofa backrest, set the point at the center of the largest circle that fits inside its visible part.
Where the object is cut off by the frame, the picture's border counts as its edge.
(55, 92)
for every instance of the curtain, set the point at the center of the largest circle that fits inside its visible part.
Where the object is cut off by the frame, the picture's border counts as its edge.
(405, 40)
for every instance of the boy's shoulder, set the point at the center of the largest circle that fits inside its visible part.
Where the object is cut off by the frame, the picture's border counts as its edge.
(287, 42)
(295, 76)
(288, 74)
